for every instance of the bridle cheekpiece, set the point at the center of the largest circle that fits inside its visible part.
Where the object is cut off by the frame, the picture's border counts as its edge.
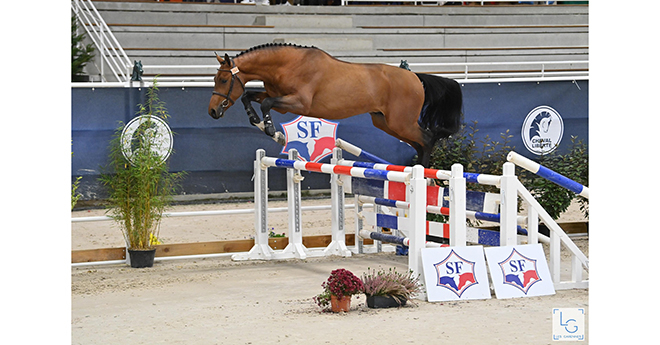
(234, 76)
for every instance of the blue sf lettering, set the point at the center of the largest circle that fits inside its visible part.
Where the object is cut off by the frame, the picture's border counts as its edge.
(517, 265)
(308, 128)
(454, 267)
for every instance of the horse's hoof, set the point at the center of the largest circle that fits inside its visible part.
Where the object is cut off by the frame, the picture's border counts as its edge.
(254, 119)
(269, 129)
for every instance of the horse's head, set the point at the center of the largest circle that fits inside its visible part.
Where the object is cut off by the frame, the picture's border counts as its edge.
(224, 91)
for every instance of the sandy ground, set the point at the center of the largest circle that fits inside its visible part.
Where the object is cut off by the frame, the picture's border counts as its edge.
(218, 301)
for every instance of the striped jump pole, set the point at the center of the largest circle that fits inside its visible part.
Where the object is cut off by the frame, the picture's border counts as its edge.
(373, 174)
(404, 241)
(548, 174)
(492, 180)
(358, 152)
(382, 164)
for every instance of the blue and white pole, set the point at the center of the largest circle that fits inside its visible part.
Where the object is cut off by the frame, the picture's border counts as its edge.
(385, 238)
(358, 152)
(548, 174)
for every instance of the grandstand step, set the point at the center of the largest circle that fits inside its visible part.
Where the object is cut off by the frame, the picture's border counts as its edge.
(305, 21)
(331, 43)
(196, 13)
(196, 37)
(165, 33)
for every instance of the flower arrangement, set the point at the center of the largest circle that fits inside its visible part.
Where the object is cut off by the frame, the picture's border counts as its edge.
(341, 283)
(400, 286)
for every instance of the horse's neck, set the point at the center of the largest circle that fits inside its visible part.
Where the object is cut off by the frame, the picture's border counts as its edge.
(260, 66)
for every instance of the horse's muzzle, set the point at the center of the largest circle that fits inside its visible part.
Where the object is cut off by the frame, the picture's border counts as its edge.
(217, 112)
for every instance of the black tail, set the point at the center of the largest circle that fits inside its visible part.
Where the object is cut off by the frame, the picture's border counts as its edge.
(443, 105)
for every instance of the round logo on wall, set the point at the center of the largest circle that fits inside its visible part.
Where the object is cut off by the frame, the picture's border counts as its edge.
(157, 131)
(542, 130)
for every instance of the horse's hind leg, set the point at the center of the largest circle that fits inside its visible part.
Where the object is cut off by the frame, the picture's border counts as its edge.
(379, 122)
(414, 135)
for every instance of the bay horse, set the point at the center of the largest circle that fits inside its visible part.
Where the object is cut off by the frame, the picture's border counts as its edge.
(416, 108)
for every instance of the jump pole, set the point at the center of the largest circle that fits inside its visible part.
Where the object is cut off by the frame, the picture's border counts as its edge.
(548, 174)
(492, 180)
(404, 241)
(358, 152)
(395, 176)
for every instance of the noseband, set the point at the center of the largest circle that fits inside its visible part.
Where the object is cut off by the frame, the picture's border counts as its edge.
(234, 71)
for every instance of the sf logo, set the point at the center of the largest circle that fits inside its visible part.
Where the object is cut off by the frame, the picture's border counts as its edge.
(455, 273)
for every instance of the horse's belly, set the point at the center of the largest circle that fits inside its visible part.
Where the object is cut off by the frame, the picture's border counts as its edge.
(342, 105)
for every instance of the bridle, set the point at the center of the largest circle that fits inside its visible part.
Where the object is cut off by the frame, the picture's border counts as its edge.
(234, 71)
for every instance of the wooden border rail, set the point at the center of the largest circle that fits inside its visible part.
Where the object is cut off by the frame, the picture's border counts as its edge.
(98, 256)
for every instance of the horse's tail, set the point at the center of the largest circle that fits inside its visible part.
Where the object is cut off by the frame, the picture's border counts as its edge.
(443, 105)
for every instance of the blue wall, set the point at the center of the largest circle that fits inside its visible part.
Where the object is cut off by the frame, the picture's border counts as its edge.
(218, 154)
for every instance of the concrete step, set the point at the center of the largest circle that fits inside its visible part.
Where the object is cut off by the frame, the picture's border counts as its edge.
(217, 36)
(305, 21)
(172, 13)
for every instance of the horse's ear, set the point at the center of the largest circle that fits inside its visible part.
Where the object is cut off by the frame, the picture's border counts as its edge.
(226, 58)
(218, 57)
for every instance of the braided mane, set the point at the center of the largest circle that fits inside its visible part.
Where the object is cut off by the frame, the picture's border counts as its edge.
(272, 46)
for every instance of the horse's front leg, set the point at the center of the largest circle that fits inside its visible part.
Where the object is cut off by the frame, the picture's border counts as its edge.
(266, 106)
(290, 103)
(247, 99)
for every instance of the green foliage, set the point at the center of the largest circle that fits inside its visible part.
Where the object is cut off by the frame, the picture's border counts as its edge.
(486, 156)
(74, 195)
(140, 191)
(272, 234)
(80, 54)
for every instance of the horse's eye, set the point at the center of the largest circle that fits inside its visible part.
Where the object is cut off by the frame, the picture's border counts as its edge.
(223, 81)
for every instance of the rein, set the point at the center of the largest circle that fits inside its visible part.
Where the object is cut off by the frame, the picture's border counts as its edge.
(234, 71)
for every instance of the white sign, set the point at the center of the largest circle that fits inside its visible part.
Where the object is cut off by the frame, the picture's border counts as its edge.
(158, 133)
(542, 130)
(455, 273)
(519, 271)
(313, 138)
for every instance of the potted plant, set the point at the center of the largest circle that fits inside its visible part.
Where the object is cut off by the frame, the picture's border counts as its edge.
(338, 290)
(139, 184)
(385, 289)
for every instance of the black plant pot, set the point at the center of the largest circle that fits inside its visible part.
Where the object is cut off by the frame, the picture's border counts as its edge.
(142, 258)
(386, 301)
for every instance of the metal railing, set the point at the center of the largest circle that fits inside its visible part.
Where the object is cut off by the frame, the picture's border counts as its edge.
(432, 3)
(540, 70)
(111, 52)
(464, 72)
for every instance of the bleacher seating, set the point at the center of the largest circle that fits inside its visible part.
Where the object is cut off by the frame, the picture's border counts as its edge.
(160, 33)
